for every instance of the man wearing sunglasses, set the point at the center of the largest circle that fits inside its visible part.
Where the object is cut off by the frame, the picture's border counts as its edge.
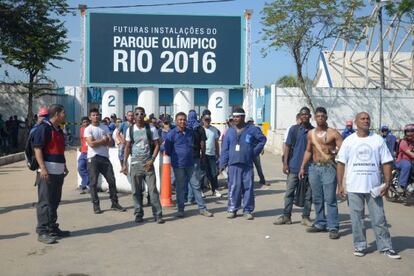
(142, 142)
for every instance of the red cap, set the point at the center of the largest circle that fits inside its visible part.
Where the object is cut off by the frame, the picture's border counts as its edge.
(43, 111)
(348, 123)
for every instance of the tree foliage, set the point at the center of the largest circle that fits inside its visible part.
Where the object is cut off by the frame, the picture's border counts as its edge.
(292, 81)
(300, 26)
(32, 38)
(405, 9)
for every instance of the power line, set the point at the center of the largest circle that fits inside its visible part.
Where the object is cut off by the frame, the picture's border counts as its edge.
(153, 5)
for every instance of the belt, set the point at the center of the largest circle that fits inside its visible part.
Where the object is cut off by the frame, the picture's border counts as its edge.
(325, 163)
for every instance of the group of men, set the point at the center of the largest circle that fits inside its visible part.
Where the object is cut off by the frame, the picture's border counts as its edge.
(314, 157)
(190, 144)
(317, 157)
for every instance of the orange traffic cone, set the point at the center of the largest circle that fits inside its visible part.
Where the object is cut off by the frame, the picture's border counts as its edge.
(166, 200)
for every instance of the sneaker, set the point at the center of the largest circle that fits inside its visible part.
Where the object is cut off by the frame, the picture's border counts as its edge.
(203, 195)
(400, 190)
(306, 221)
(248, 216)
(118, 207)
(138, 219)
(56, 232)
(334, 234)
(282, 220)
(46, 238)
(159, 220)
(206, 213)
(217, 194)
(359, 252)
(391, 254)
(180, 214)
(315, 229)
(231, 215)
(83, 191)
(97, 209)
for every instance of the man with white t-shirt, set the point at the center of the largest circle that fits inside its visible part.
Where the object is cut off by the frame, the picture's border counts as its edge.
(364, 153)
(142, 142)
(99, 139)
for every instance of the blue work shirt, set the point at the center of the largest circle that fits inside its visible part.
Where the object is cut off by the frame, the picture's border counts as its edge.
(250, 141)
(347, 132)
(391, 141)
(179, 145)
(298, 150)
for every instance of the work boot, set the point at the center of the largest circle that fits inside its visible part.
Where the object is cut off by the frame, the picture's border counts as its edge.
(46, 238)
(56, 232)
(306, 221)
(248, 216)
(315, 229)
(138, 219)
(96, 209)
(159, 220)
(205, 213)
(180, 214)
(118, 207)
(282, 220)
(231, 215)
(334, 234)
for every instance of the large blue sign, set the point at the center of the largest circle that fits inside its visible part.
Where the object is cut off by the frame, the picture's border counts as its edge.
(164, 50)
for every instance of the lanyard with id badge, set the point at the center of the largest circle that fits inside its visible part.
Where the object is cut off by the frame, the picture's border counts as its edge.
(238, 139)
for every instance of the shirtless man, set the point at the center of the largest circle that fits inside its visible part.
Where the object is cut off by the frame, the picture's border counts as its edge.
(323, 144)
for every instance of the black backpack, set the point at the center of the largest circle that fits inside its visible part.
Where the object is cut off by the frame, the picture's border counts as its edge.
(149, 137)
(29, 154)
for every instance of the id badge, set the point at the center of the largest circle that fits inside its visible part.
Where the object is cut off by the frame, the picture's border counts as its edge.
(237, 147)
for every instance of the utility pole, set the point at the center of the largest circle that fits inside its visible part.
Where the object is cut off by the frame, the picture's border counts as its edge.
(247, 74)
(82, 9)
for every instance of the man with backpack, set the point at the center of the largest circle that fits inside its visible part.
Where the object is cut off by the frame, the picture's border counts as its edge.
(49, 150)
(99, 139)
(142, 142)
(295, 147)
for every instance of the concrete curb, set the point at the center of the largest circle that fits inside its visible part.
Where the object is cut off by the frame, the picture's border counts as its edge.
(8, 159)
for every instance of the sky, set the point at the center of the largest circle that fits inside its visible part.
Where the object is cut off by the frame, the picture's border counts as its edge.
(264, 70)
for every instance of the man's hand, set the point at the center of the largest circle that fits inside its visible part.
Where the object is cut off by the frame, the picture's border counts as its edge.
(340, 191)
(125, 170)
(66, 171)
(384, 190)
(148, 165)
(302, 173)
(285, 169)
(44, 174)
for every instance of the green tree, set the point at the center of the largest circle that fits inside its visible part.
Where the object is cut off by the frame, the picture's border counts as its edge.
(292, 81)
(405, 9)
(300, 26)
(32, 37)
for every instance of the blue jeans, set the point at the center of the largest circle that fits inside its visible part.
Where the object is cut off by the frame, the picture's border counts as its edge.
(196, 176)
(182, 178)
(83, 170)
(405, 167)
(291, 183)
(377, 217)
(322, 179)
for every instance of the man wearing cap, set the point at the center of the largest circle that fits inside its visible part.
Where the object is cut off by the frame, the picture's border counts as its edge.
(112, 123)
(389, 139)
(295, 147)
(42, 115)
(241, 144)
(256, 160)
(348, 129)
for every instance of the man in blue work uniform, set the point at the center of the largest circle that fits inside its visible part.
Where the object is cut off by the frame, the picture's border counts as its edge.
(241, 144)
(179, 145)
(295, 147)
